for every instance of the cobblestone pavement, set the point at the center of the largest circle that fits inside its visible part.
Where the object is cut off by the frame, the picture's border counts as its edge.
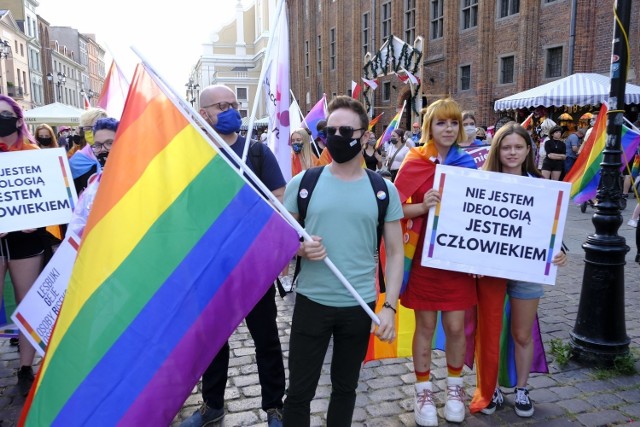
(571, 395)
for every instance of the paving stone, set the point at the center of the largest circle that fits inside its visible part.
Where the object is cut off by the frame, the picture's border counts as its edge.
(602, 418)
(386, 382)
(543, 395)
(246, 418)
(319, 405)
(247, 404)
(383, 409)
(541, 381)
(594, 386)
(252, 390)
(385, 394)
(567, 392)
(632, 396)
(631, 410)
(576, 406)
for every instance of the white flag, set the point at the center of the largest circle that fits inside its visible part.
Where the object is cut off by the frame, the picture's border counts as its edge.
(276, 87)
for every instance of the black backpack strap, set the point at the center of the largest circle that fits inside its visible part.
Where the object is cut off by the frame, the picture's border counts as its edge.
(307, 184)
(257, 157)
(381, 193)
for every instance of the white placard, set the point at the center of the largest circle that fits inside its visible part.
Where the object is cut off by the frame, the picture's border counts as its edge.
(36, 189)
(496, 224)
(38, 311)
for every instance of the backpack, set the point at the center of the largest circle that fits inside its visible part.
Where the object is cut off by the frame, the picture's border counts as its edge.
(309, 181)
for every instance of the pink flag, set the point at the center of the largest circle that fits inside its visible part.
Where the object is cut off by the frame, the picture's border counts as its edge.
(114, 92)
(373, 84)
(87, 104)
(355, 90)
(317, 113)
(276, 87)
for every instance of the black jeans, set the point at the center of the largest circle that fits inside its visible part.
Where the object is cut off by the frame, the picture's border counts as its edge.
(261, 323)
(312, 326)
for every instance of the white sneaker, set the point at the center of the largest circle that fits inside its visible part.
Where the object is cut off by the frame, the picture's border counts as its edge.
(633, 223)
(454, 408)
(423, 407)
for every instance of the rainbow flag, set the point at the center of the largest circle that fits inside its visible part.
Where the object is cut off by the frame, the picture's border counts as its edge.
(114, 91)
(393, 125)
(317, 113)
(584, 176)
(375, 120)
(178, 248)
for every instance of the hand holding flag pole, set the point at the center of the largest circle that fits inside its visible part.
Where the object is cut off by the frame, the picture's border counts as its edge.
(187, 110)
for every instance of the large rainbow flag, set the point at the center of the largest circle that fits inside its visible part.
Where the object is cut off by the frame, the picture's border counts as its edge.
(584, 176)
(177, 250)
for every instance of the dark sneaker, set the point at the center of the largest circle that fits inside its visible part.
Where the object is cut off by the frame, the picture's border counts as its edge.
(274, 417)
(523, 405)
(25, 379)
(496, 401)
(13, 342)
(203, 417)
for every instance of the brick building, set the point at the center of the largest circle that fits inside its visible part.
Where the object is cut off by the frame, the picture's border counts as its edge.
(475, 50)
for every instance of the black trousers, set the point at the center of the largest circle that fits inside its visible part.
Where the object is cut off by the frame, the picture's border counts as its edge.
(312, 327)
(262, 326)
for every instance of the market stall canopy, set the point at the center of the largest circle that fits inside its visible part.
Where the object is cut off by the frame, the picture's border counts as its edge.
(53, 114)
(258, 123)
(576, 89)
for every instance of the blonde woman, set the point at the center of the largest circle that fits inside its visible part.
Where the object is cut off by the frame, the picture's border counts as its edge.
(302, 157)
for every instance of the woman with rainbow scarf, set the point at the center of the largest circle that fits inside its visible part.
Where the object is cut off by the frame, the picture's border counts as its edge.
(429, 290)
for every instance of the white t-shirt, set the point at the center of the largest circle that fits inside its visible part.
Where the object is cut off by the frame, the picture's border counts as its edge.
(397, 160)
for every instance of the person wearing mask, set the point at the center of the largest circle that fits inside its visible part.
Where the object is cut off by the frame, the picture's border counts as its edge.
(219, 107)
(416, 134)
(372, 157)
(63, 137)
(21, 252)
(470, 130)
(342, 220)
(396, 152)
(45, 137)
(302, 157)
(83, 162)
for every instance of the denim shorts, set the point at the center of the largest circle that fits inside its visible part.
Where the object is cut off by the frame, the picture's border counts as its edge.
(524, 290)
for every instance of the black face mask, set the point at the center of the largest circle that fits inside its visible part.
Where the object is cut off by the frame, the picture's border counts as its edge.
(45, 142)
(102, 158)
(343, 149)
(8, 125)
(76, 139)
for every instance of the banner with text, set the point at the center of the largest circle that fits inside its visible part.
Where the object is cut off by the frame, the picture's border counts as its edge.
(36, 189)
(38, 311)
(496, 224)
(479, 153)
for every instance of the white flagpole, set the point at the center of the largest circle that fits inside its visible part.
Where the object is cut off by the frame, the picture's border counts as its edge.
(203, 127)
(263, 73)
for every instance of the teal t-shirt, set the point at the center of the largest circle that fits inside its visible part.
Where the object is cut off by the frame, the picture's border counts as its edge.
(345, 215)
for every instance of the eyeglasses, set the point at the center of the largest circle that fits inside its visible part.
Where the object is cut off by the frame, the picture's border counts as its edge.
(346, 131)
(223, 106)
(97, 146)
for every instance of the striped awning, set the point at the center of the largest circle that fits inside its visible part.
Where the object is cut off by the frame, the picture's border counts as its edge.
(258, 123)
(576, 89)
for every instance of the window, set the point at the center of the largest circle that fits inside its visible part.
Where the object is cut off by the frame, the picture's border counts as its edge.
(554, 62)
(469, 14)
(508, 7)
(365, 33)
(550, 1)
(242, 93)
(386, 91)
(319, 47)
(410, 21)
(243, 113)
(465, 77)
(332, 48)
(306, 58)
(437, 19)
(386, 20)
(507, 64)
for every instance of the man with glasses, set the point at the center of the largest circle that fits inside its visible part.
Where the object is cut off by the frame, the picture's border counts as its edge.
(219, 107)
(342, 217)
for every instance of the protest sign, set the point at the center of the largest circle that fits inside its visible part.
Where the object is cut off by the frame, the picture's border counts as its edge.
(36, 189)
(479, 153)
(38, 311)
(496, 224)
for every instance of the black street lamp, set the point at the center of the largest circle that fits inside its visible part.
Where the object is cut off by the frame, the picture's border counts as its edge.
(599, 335)
(62, 79)
(192, 91)
(5, 52)
(89, 93)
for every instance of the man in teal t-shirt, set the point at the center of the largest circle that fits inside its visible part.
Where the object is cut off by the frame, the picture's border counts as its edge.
(342, 217)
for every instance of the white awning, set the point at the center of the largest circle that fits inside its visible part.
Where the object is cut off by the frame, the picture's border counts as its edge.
(53, 114)
(576, 89)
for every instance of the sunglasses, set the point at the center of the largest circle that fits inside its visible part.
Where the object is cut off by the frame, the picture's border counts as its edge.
(346, 131)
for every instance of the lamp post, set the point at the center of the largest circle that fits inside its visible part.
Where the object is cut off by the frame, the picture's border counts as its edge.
(5, 51)
(62, 79)
(192, 91)
(599, 335)
(90, 95)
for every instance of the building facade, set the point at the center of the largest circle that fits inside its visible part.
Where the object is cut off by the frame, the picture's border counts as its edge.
(473, 50)
(234, 55)
(14, 66)
(95, 67)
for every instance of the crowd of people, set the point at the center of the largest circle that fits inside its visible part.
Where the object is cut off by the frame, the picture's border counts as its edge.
(345, 221)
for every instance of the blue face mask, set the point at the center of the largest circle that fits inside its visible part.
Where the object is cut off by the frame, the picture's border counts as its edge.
(228, 122)
(296, 148)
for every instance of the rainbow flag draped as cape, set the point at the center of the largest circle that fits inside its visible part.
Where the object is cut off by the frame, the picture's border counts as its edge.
(584, 176)
(177, 250)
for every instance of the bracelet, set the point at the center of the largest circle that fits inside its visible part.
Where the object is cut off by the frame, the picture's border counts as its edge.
(387, 305)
